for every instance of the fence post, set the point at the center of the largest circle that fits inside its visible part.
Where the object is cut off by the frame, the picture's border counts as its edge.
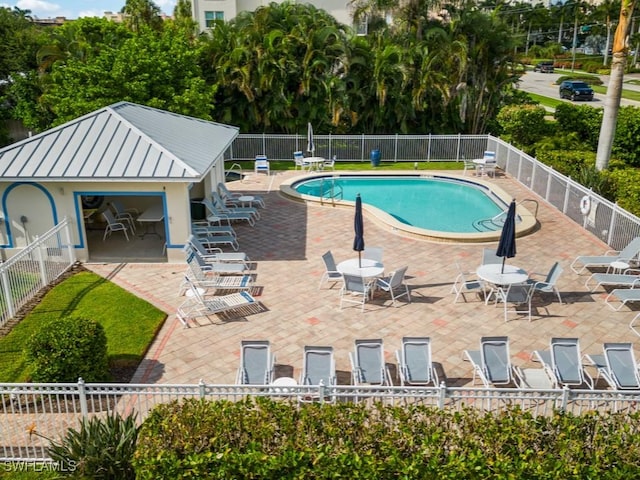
(567, 190)
(429, 148)
(565, 398)
(442, 395)
(321, 391)
(6, 289)
(202, 389)
(43, 270)
(67, 234)
(395, 149)
(612, 222)
(82, 392)
(362, 157)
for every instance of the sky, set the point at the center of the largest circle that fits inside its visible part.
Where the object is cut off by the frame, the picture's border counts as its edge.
(72, 9)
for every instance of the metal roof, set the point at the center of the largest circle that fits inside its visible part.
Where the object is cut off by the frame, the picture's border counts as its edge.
(123, 141)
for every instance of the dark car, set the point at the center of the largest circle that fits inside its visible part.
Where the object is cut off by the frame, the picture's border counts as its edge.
(544, 67)
(576, 90)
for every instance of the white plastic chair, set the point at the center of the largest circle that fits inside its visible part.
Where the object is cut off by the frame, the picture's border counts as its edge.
(298, 158)
(261, 164)
(113, 225)
(394, 285)
(464, 283)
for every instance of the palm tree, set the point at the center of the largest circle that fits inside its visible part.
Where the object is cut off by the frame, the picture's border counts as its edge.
(614, 92)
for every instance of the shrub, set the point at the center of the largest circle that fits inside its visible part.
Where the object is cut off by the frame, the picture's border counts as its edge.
(589, 79)
(262, 438)
(522, 124)
(67, 348)
(627, 182)
(583, 120)
(101, 448)
(626, 143)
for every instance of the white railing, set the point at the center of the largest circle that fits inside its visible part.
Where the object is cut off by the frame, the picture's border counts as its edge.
(50, 409)
(607, 221)
(33, 268)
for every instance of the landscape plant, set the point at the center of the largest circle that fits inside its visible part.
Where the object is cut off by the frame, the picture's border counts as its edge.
(263, 438)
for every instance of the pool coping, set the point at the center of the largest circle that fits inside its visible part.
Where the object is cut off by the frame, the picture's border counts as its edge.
(528, 224)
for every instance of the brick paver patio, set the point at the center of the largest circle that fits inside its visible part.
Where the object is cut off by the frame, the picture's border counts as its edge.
(287, 244)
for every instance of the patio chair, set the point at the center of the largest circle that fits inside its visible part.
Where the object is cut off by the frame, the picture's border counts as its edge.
(256, 363)
(465, 284)
(629, 278)
(217, 216)
(373, 253)
(329, 164)
(489, 257)
(534, 378)
(229, 196)
(318, 366)
(627, 254)
(298, 159)
(113, 225)
(201, 268)
(331, 273)
(198, 306)
(620, 370)
(488, 164)
(415, 367)
(216, 255)
(261, 164)
(205, 228)
(355, 289)
(122, 214)
(368, 365)
(394, 285)
(549, 284)
(469, 164)
(215, 239)
(565, 362)
(622, 295)
(219, 203)
(516, 298)
(492, 363)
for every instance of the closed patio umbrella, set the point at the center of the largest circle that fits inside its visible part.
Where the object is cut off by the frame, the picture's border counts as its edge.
(310, 145)
(358, 226)
(507, 244)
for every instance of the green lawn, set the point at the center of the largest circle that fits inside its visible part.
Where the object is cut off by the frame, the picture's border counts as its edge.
(130, 323)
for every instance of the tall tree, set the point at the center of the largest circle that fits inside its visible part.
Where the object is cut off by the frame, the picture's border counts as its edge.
(139, 13)
(614, 91)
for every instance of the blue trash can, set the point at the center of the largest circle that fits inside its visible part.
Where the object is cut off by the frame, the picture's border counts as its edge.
(375, 157)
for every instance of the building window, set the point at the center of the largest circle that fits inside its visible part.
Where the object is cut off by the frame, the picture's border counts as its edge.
(211, 17)
(362, 27)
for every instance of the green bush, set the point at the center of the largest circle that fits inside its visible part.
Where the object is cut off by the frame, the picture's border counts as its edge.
(583, 120)
(64, 349)
(590, 79)
(101, 448)
(626, 143)
(522, 125)
(627, 183)
(261, 438)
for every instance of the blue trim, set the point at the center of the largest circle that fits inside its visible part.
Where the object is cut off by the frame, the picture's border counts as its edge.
(78, 202)
(7, 225)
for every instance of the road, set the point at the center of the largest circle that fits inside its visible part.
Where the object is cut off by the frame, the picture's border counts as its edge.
(544, 84)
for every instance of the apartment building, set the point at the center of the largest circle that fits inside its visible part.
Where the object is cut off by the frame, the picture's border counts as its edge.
(206, 12)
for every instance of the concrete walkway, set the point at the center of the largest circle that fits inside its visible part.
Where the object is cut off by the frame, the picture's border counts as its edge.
(287, 244)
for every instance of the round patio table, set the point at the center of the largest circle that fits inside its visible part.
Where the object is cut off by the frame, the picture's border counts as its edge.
(370, 268)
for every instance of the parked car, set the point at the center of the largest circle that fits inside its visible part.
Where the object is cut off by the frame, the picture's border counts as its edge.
(576, 90)
(544, 67)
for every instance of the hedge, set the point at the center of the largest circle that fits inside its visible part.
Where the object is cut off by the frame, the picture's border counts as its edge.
(267, 439)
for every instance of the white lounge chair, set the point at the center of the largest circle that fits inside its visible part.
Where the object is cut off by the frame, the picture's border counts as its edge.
(626, 255)
(622, 295)
(629, 278)
(261, 164)
(200, 268)
(368, 365)
(198, 306)
(492, 363)
(220, 204)
(214, 254)
(256, 363)
(318, 366)
(217, 216)
(620, 370)
(415, 366)
(229, 196)
(564, 360)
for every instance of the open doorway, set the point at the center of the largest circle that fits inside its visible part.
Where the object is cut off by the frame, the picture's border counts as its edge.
(124, 227)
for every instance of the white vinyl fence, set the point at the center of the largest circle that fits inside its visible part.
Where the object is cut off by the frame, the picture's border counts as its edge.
(33, 414)
(33, 268)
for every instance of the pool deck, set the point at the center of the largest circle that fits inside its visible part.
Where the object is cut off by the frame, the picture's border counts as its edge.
(288, 243)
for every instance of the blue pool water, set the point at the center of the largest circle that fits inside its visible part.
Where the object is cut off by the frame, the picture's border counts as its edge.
(445, 205)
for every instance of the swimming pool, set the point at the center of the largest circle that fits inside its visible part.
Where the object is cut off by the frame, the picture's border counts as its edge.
(442, 207)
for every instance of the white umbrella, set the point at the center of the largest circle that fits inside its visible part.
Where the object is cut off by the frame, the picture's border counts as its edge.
(310, 145)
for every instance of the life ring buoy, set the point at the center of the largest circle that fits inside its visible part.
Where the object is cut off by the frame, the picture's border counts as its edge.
(585, 205)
